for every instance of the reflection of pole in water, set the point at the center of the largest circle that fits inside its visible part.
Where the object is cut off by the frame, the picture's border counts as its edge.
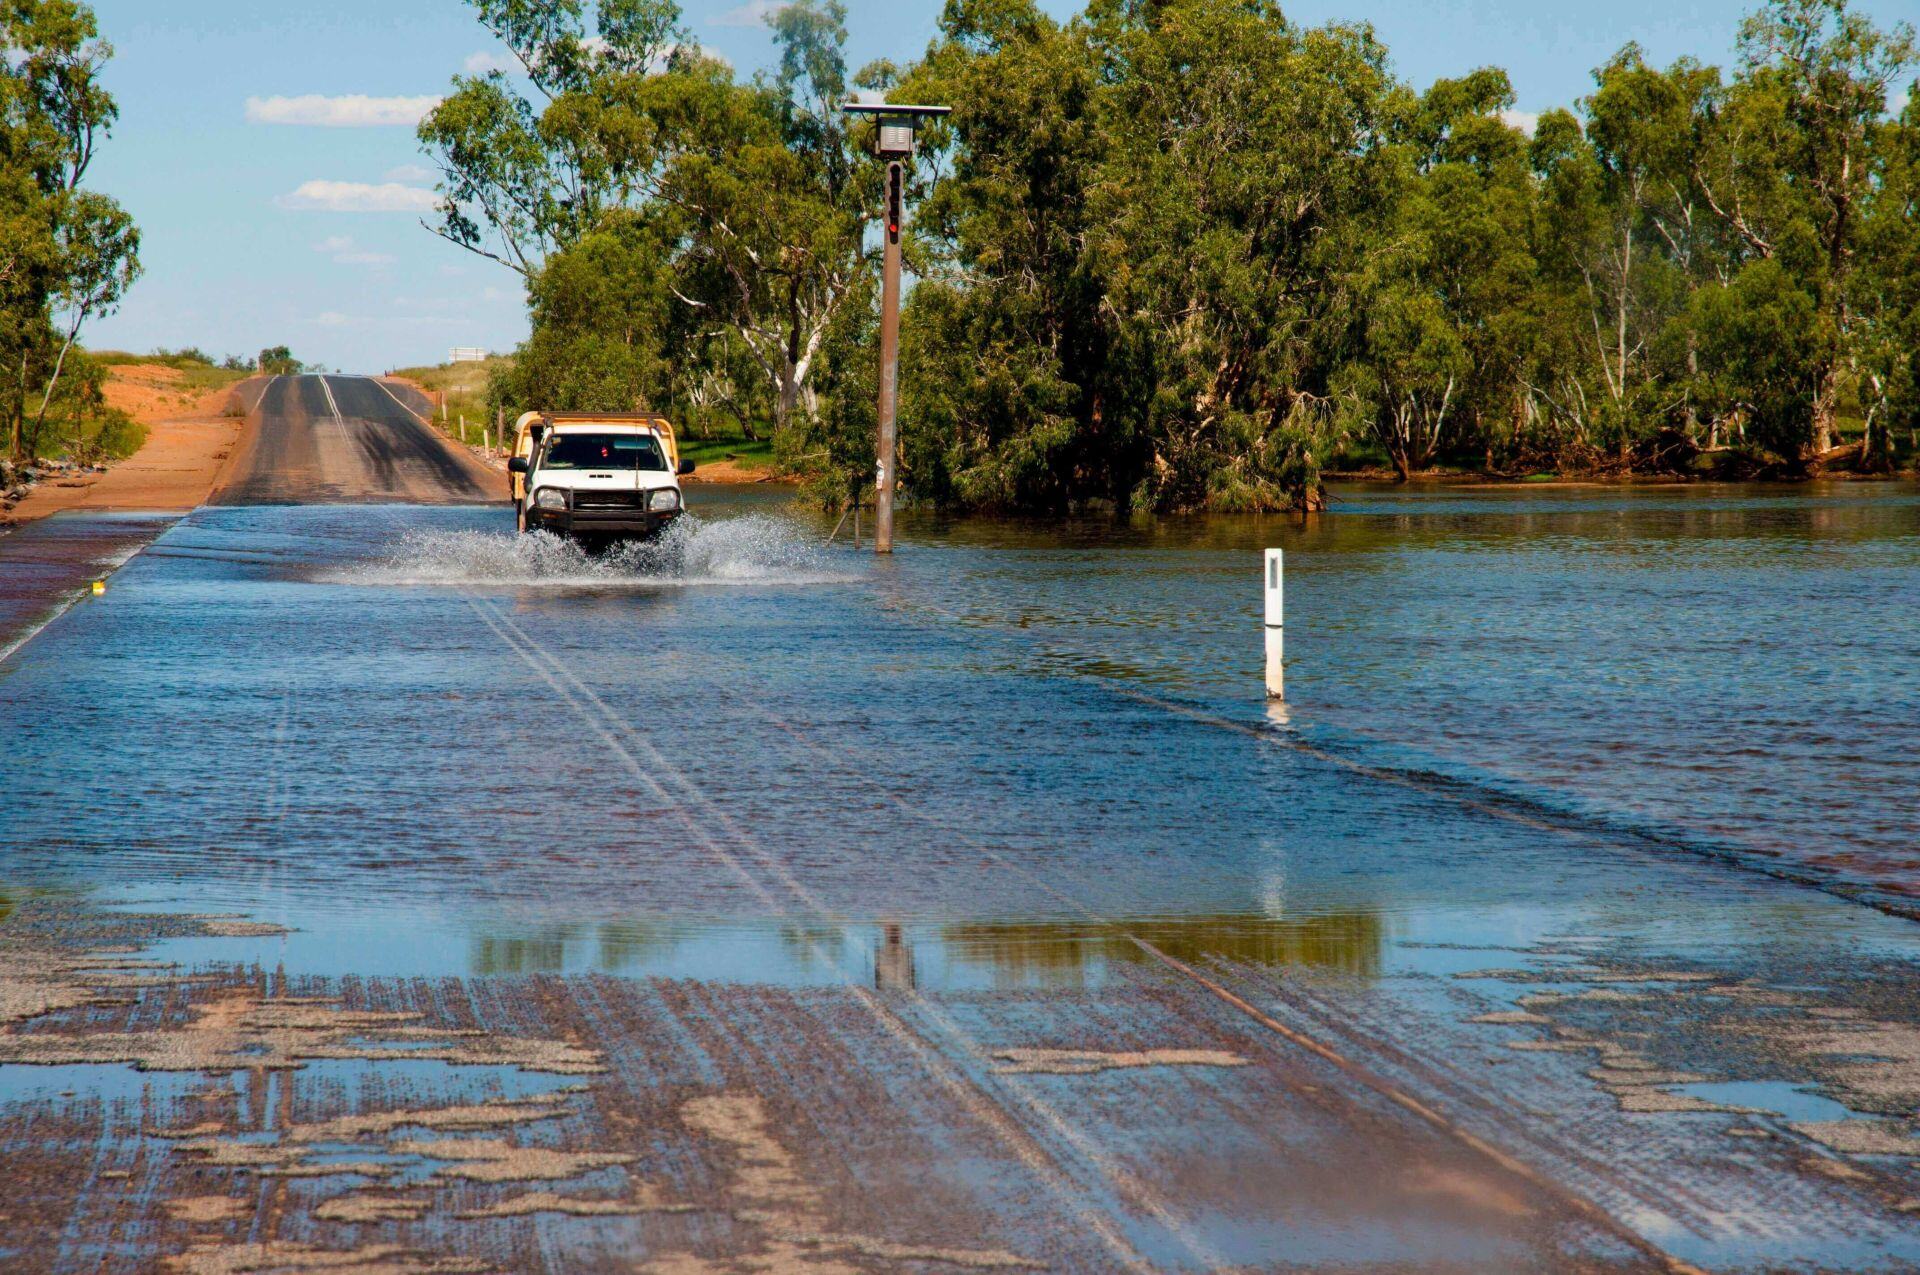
(893, 963)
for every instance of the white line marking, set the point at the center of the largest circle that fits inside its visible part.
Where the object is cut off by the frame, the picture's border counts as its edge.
(332, 406)
(424, 420)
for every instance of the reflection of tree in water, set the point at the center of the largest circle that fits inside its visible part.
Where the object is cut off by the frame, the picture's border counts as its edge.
(1061, 953)
(6, 907)
(808, 946)
(1055, 953)
(617, 945)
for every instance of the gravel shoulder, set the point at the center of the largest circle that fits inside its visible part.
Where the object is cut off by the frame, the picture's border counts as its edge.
(190, 439)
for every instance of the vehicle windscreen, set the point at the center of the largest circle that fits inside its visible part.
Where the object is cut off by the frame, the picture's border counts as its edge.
(604, 451)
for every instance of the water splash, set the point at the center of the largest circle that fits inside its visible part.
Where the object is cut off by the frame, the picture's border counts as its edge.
(752, 550)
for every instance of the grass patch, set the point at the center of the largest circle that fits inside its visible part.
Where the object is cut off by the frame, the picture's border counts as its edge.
(465, 388)
(748, 453)
(196, 372)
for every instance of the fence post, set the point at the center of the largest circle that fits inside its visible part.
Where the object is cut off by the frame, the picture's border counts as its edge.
(1275, 626)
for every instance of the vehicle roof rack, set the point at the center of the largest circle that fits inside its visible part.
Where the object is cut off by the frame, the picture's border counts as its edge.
(568, 418)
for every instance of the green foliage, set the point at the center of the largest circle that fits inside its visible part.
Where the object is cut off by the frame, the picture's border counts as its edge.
(67, 254)
(597, 342)
(687, 241)
(1760, 343)
(78, 421)
(278, 360)
(1146, 275)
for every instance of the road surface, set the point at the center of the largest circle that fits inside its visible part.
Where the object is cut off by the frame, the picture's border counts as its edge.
(348, 438)
(387, 892)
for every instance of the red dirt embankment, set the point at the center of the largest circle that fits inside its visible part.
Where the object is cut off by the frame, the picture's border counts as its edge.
(189, 437)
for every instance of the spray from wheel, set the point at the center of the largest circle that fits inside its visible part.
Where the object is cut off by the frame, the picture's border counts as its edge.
(746, 551)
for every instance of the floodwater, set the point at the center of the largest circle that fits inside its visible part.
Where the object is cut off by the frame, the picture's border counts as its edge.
(1033, 728)
(1537, 732)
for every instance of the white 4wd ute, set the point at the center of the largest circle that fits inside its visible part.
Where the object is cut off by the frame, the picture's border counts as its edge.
(588, 477)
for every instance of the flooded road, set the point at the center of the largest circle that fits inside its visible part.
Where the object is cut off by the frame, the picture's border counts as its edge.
(387, 889)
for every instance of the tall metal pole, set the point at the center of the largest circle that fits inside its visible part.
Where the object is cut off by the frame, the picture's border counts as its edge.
(889, 367)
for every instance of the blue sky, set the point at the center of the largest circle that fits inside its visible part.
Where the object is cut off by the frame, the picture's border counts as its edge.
(237, 257)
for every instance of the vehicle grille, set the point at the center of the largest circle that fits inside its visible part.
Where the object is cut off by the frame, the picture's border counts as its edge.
(608, 499)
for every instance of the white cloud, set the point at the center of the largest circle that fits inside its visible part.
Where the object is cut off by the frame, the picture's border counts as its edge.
(484, 61)
(346, 253)
(1525, 121)
(355, 110)
(326, 196)
(1900, 100)
(411, 173)
(751, 14)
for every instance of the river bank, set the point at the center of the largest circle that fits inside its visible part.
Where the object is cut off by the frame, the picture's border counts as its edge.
(190, 435)
(1442, 477)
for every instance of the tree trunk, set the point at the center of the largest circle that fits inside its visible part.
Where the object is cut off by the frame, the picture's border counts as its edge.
(1825, 407)
(789, 395)
(1620, 337)
(17, 406)
(59, 365)
(1693, 380)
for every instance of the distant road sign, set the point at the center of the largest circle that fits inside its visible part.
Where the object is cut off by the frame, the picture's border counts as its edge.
(466, 354)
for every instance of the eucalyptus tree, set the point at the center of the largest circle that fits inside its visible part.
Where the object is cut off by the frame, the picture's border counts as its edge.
(1644, 237)
(1444, 275)
(1884, 300)
(95, 257)
(1172, 253)
(600, 316)
(1792, 171)
(67, 254)
(525, 170)
(1221, 207)
(777, 201)
(1005, 340)
(621, 116)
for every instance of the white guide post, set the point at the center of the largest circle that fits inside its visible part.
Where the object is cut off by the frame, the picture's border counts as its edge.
(1276, 639)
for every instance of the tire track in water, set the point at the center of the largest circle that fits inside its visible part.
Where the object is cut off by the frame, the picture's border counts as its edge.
(599, 718)
(1349, 1067)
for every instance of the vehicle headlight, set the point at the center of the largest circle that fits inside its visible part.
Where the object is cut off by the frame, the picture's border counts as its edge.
(664, 499)
(550, 498)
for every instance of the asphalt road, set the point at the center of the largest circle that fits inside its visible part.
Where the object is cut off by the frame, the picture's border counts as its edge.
(381, 891)
(314, 439)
